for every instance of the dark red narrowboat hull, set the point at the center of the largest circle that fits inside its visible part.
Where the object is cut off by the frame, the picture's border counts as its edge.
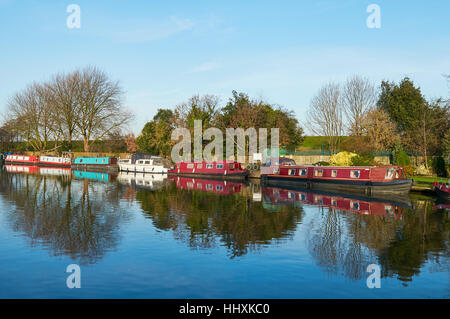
(442, 191)
(224, 170)
(367, 180)
(366, 187)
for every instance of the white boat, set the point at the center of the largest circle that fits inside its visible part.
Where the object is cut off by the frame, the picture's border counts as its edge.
(54, 161)
(153, 165)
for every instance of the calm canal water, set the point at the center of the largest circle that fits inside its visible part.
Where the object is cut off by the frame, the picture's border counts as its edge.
(148, 237)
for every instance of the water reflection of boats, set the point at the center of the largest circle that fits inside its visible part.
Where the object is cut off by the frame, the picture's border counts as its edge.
(223, 187)
(142, 180)
(349, 203)
(33, 169)
(97, 176)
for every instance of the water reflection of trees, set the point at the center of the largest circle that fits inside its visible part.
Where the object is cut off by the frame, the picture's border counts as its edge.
(78, 218)
(344, 243)
(205, 220)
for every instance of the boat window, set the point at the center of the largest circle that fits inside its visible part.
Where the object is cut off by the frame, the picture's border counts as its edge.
(390, 173)
(354, 174)
(354, 205)
(199, 185)
(209, 165)
(81, 160)
(200, 166)
(190, 165)
(291, 172)
(318, 172)
(291, 195)
(396, 174)
(103, 160)
(334, 173)
(219, 166)
(209, 186)
(219, 188)
(231, 166)
(302, 172)
(303, 196)
(334, 202)
(147, 162)
(268, 162)
(190, 185)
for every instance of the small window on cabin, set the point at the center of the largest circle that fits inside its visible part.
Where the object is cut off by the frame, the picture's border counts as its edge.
(302, 172)
(334, 173)
(303, 196)
(147, 162)
(103, 160)
(219, 166)
(209, 165)
(291, 172)
(190, 185)
(318, 172)
(190, 165)
(354, 174)
(209, 186)
(268, 162)
(81, 160)
(200, 166)
(291, 195)
(354, 205)
(219, 188)
(334, 202)
(231, 166)
(396, 174)
(389, 173)
(199, 185)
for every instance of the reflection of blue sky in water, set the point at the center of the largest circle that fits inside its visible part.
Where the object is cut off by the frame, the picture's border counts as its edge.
(134, 239)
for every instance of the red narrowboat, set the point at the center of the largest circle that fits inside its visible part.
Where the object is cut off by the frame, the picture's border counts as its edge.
(346, 204)
(21, 159)
(366, 179)
(213, 186)
(215, 170)
(442, 190)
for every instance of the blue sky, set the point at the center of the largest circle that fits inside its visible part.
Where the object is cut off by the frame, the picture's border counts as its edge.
(163, 52)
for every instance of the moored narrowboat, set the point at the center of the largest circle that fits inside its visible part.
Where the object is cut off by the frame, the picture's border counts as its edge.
(442, 190)
(152, 165)
(211, 170)
(53, 161)
(102, 164)
(361, 179)
(21, 159)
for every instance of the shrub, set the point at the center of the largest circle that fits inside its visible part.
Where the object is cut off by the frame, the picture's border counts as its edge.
(402, 159)
(408, 170)
(421, 170)
(362, 160)
(439, 167)
(342, 158)
(322, 163)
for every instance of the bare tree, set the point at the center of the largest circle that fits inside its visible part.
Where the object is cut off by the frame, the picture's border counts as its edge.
(30, 117)
(358, 96)
(325, 114)
(99, 110)
(63, 92)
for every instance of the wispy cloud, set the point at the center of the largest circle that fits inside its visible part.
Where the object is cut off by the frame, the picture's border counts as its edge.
(152, 31)
(204, 67)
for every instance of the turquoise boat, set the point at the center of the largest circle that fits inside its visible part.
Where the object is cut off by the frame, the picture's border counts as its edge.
(96, 163)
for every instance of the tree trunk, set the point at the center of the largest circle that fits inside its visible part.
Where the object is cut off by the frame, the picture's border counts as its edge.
(86, 144)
